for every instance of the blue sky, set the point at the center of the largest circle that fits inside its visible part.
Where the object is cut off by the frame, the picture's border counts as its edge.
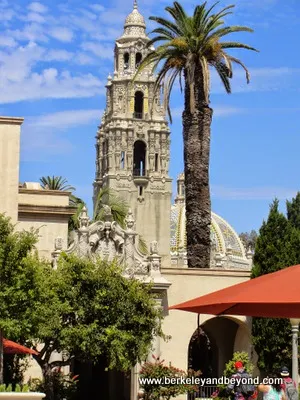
(54, 61)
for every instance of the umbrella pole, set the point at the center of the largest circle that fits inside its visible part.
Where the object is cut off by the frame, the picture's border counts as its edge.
(1, 356)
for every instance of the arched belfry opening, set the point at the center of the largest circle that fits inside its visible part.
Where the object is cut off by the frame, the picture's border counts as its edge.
(138, 104)
(138, 59)
(139, 158)
(126, 60)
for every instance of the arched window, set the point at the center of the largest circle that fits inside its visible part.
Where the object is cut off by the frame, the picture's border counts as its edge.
(138, 104)
(126, 60)
(138, 59)
(139, 158)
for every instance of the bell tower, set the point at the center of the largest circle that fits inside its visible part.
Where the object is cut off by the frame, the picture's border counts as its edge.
(133, 139)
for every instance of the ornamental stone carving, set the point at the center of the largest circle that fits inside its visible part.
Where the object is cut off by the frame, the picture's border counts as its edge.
(106, 239)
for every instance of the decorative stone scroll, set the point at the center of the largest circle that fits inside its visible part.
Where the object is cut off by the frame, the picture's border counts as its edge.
(106, 239)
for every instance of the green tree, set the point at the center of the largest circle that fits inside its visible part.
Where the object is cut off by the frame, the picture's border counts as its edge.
(190, 45)
(92, 312)
(19, 285)
(249, 239)
(272, 336)
(60, 183)
(293, 211)
(230, 370)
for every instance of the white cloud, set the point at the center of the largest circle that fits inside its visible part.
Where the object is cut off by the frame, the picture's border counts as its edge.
(7, 15)
(33, 32)
(252, 193)
(35, 17)
(97, 7)
(59, 55)
(7, 41)
(44, 133)
(62, 34)
(37, 7)
(19, 81)
(65, 119)
(263, 79)
(100, 50)
(84, 59)
(49, 84)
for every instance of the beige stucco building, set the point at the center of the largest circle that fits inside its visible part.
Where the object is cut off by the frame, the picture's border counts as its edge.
(132, 157)
(28, 204)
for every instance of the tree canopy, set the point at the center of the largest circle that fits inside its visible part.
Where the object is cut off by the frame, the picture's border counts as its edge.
(85, 308)
(277, 247)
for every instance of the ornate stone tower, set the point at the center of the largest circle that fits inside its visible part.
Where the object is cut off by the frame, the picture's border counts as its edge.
(133, 145)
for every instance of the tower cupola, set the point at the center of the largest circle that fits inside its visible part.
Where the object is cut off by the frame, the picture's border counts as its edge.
(134, 26)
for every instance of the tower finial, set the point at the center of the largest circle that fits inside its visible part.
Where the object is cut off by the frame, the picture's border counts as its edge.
(135, 4)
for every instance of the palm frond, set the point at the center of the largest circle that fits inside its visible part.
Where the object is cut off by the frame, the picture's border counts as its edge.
(239, 62)
(192, 43)
(73, 223)
(168, 24)
(229, 29)
(237, 45)
(223, 74)
(56, 183)
(142, 246)
(119, 208)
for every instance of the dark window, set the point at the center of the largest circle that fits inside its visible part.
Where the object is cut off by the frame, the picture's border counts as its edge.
(126, 60)
(139, 158)
(156, 162)
(140, 190)
(138, 104)
(122, 166)
(138, 59)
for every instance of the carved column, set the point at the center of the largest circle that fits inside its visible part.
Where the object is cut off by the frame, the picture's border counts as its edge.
(154, 261)
(58, 245)
(129, 241)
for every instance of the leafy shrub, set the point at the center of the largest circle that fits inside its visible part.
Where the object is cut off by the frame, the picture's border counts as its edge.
(230, 370)
(158, 370)
(18, 388)
(65, 387)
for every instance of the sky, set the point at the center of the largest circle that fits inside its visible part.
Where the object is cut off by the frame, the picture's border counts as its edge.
(55, 57)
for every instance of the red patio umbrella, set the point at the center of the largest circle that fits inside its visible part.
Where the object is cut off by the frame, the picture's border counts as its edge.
(275, 295)
(10, 347)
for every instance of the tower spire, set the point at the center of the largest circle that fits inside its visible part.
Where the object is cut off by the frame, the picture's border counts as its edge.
(135, 5)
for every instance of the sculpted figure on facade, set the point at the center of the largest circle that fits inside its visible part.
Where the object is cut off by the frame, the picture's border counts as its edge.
(106, 239)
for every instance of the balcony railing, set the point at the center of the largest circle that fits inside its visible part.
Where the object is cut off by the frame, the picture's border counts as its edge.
(204, 393)
(138, 172)
(138, 115)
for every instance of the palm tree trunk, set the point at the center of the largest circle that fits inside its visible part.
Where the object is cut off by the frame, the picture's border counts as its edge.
(196, 140)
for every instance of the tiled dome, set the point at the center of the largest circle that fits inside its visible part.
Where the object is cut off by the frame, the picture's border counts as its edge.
(223, 234)
(134, 26)
(224, 239)
(135, 18)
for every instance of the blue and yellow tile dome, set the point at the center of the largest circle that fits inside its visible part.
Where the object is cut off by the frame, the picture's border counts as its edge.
(224, 236)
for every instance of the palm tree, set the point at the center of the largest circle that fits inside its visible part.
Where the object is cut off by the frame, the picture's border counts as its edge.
(189, 46)
(77, 203)
(56, 183)
(60, 183)
(106, 197)
(119, 208)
